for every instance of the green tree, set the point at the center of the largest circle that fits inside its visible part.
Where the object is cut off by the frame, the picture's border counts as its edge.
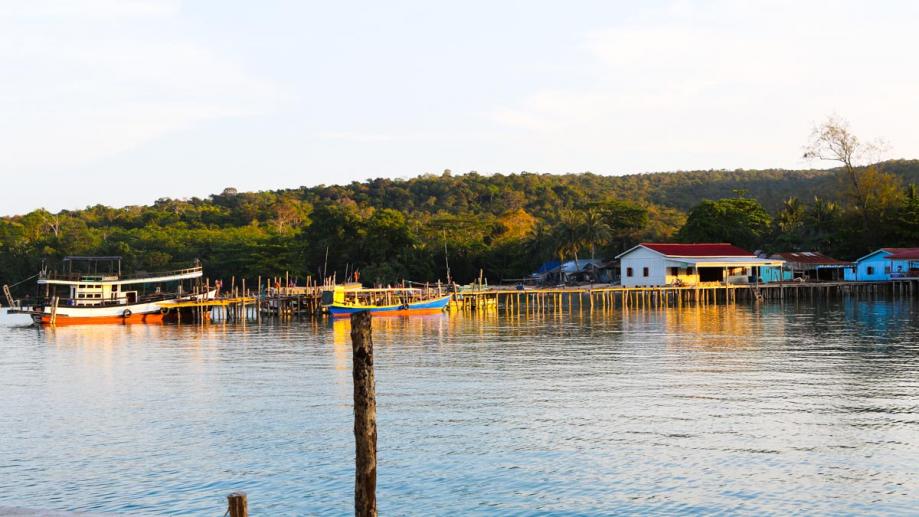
(625, 221)
(789, 226)
(569, 236)
(822, 221)
(595, 231)
(906, 224)
(740, 221)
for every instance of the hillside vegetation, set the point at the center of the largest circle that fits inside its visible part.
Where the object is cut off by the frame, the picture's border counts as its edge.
(505, 225)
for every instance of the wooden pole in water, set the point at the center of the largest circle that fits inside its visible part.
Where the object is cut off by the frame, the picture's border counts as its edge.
(365, 416)
(237, 505)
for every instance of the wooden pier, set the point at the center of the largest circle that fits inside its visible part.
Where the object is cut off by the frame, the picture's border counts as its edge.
(306, 302)
(626, 298)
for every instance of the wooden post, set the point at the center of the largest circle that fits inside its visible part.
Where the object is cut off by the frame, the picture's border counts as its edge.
(237, 505)
(365, 416)
(54, 301)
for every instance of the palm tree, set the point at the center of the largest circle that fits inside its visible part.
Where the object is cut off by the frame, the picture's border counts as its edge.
(594, 229)
(822, 219)
(569, 237)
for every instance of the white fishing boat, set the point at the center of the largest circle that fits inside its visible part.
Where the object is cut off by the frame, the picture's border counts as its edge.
(92, 290)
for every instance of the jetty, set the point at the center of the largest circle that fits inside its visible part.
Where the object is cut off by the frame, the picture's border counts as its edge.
(306, 302)
(610, 297)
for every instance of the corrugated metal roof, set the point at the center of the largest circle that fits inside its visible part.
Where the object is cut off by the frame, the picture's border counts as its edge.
(902, 253)
(808, 257)
(706, 249)
(569, 267)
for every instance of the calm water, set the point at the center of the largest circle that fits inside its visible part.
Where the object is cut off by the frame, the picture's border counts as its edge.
(740, 410)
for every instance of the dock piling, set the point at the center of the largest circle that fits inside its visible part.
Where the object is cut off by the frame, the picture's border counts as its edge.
(365, 416)
(237, 505)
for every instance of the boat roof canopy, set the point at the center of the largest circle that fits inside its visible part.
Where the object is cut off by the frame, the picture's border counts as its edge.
(377, 289)
(81, 258)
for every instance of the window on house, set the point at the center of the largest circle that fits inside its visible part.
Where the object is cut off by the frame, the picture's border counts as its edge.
(870, 270)
(644, 271)
(675, 271)
(628, 271)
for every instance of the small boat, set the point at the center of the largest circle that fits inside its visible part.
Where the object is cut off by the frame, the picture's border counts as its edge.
(344, 300)
(92, 290)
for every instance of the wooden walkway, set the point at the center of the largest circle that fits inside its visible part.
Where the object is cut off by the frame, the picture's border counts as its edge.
(602, 296)
(306, 302)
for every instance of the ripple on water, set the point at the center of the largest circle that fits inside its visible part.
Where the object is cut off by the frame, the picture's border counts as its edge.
(801, 408)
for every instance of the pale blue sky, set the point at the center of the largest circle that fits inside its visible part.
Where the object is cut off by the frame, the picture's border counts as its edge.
(125, 101)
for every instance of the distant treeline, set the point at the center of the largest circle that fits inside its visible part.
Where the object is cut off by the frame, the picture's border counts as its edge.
(505, 225)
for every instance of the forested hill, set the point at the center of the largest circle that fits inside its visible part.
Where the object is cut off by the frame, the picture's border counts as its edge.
(541, 194)
(504, 224)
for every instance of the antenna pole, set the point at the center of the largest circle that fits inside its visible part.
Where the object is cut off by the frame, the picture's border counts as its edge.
(446, 257)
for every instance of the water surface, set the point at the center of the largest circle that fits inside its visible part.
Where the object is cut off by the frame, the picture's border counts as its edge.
(741, 409)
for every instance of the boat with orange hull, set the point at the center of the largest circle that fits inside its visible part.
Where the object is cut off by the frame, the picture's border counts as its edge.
(45, 319)
(92, 291)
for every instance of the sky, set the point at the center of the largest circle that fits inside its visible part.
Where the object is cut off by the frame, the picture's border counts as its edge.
(122, 102)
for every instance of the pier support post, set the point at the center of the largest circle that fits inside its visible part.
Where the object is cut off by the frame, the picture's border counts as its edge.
(365, 416)
(237, 505)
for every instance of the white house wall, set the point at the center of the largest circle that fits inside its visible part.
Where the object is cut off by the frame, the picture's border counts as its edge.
(639, 259)
(658, 266)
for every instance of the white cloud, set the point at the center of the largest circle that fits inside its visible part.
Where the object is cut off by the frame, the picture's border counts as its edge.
(717, 78)
(96, 78)
(88, 9)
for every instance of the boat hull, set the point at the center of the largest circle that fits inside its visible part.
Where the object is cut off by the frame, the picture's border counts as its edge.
(62, 320)
(433, 306)
(150, 312)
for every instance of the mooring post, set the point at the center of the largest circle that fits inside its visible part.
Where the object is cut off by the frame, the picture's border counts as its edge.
(237, 505)
(365, 416)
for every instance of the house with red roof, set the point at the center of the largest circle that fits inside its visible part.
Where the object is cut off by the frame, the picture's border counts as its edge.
(885, 264)
(813, 265)
(660, 264)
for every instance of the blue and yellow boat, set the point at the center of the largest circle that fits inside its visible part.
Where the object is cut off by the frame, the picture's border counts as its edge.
(344, 300)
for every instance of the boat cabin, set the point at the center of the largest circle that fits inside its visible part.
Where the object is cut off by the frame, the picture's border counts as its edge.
(98, 281)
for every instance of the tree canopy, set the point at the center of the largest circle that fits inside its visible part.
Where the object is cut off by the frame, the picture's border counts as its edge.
(502, 225)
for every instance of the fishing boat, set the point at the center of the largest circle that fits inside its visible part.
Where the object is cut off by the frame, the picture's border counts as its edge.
(92, 290)
(344, 300)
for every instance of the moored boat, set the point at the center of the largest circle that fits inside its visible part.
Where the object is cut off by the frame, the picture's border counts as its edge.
(92, 290)
(344, 300)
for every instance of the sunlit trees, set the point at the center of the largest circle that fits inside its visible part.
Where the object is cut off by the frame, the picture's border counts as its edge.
(740, 221)
(503, 225)
(870, 189)
(569, 236)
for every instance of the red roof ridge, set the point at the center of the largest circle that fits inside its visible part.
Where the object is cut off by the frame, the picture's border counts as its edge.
(687, 243)
(902, 253)
(697, 249)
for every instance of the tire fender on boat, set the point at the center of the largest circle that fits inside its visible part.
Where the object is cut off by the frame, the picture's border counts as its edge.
(126, 314)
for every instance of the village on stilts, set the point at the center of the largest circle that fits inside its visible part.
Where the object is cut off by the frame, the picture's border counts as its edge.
(647, 276)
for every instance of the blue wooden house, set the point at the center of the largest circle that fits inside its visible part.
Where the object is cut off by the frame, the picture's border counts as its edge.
(885, 264)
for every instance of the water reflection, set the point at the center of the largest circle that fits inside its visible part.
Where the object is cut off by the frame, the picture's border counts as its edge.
(765, 408)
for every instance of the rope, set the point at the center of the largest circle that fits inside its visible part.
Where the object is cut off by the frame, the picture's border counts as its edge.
(26, 280)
